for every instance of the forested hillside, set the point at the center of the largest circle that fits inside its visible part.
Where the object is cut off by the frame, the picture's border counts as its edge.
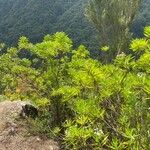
(142, 19)
(35, 18)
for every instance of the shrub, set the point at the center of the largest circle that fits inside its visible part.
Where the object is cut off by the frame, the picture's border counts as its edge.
(91, 105)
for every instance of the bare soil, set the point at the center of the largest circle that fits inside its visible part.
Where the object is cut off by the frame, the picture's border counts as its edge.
(13, 133)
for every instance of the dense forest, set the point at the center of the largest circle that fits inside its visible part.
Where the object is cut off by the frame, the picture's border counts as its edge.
(81, 101)
(35, 18)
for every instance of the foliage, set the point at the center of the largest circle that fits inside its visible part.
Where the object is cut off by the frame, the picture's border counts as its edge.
(35, 18)
(89, 105)
(113, 20)
(142, 19)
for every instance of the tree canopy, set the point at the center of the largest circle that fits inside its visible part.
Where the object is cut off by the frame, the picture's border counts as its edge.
(113, 20)
(36, 18)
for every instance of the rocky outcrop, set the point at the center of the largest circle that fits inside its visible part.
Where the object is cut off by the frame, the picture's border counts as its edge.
(12, 132)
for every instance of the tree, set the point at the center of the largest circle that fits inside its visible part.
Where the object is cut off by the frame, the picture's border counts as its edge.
(112, 19)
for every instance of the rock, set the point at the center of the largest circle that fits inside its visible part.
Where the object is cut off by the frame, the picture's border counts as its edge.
(12, 133)
(29, 111)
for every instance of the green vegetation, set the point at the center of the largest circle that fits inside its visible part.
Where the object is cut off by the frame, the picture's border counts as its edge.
(142, 19)
(36, 18)
(87, 104)
(113, 21)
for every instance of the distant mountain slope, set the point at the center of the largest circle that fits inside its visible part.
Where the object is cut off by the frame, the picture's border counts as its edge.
(142, 19)
(76, 25)
(35, 18)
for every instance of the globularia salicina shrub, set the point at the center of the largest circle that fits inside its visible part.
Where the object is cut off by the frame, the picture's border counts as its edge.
(88, 105)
